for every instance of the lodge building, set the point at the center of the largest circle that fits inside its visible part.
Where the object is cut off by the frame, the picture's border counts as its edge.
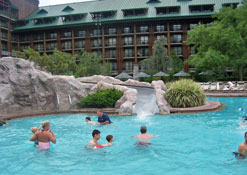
(121, 31)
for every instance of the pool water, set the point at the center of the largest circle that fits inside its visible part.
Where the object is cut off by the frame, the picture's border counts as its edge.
(196, 144)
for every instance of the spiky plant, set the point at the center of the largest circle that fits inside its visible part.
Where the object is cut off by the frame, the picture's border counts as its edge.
(185, 93)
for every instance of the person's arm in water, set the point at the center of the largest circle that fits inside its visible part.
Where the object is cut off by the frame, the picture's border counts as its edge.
(34, 138)
(103, 123)
(52, 137)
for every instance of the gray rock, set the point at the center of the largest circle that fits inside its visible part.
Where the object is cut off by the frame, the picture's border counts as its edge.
(25, 89)
(160, 88)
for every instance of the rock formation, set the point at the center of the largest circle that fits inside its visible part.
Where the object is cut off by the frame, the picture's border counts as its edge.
(27, 90)
(160, 89)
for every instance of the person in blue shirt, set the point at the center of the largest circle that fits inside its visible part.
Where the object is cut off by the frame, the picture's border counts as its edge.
(103, 118)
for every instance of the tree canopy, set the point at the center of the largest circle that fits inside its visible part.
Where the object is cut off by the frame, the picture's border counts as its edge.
(62, 63)
(161, 61)
(223, 44)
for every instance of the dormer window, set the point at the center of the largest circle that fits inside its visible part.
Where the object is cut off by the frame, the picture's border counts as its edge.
(76, 17)
(44, 20)
(201, 8)
(101, 15)
(67, 9)
(135, 12)
(167, 10)
(234, 5)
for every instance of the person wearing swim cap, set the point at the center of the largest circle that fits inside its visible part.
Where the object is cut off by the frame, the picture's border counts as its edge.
(94, 142)
(103, 118)
(45, 136)
(242, 149)
(144, 138)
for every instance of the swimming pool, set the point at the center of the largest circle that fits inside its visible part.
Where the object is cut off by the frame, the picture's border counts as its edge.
(195, 144)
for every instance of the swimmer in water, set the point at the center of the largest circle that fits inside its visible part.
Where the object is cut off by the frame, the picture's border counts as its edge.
(242, 149)
(88, 120)
(243, 121)
(110, 139)
(45, 136)
(144, 138)
(94, 142)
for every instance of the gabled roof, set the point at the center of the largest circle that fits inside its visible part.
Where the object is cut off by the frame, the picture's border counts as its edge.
(67, 9)
(89, 7)
(42, 11)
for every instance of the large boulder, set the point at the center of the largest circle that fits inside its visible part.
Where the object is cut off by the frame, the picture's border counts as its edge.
(97, 78)
(25, 89)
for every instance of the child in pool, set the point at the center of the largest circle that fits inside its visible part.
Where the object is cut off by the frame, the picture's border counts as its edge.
(110, 139)
(88, 120)
(34, 130)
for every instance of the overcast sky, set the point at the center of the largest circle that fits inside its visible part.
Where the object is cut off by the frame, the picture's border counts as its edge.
(53, 2)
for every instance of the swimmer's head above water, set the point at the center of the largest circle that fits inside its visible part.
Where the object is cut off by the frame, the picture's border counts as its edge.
(143, 129)
(45, 125)
(88, 119)
(244, 118)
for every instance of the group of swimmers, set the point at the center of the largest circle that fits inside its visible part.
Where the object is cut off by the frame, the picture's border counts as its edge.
(43, 137)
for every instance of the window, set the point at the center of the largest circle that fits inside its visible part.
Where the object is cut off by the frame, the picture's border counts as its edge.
(128, 41)
(96, 32)
(112, 31)
(192, 26)
(3, 35)
(44, 20)
(67, 45)
(176, 27)
(178, 50)
(127, 30)
(144, 39)
(142, 52)
(24, 38)
(144, 29)
(128, 66)
(176, 39)
(80, 44)
(234, 5)
(82, 33)
(4, 46)
(51, 46)
(52, 35)
(39, 47)
(128, 52)
(112, 41)
(3, 24)
(38, 37)
(97, 43)
(99, 15)
(113, 66)
(201, 8)
(134, 12)
(14, 38)
(67, 34)
(167, 10)
(160, 28)
(160, 36)
(112, 53)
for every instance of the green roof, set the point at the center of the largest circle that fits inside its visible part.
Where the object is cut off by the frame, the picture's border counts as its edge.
(118, 6)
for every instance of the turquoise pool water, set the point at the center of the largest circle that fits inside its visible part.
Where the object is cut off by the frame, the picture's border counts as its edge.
(196, 144)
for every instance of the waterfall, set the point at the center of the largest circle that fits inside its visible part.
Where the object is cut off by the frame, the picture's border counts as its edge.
(146, 102)
(58, 101)
(69, 99)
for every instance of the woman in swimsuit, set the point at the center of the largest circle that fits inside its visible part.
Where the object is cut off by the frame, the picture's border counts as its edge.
(45, 136)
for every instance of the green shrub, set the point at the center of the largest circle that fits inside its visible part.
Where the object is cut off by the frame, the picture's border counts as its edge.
(104, 98)
(185, 93)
